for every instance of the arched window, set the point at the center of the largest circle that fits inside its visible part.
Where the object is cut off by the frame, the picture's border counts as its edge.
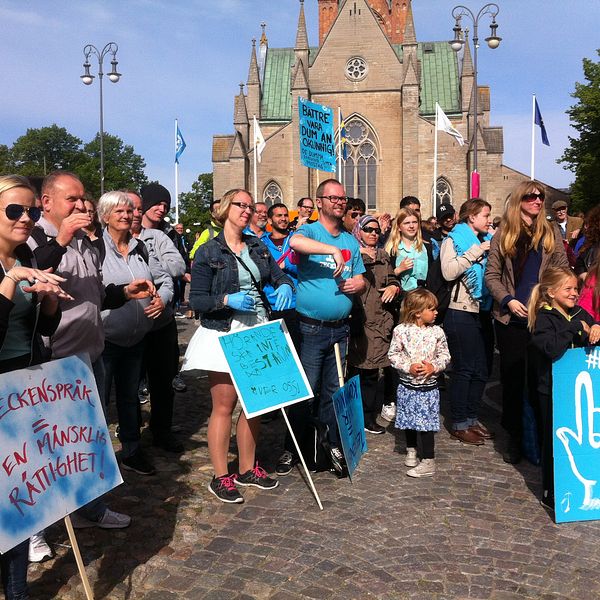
(443, 193)
(272, 194)
(359, 170)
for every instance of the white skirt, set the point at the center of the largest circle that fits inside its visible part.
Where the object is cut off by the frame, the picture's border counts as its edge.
(204, 350)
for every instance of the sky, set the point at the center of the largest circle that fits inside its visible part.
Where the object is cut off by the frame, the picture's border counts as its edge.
(185, 59)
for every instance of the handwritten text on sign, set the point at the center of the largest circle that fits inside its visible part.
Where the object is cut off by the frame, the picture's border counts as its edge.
(576, 435)
(347, 402)
(265, 368)
(55, 450)
(317, 140)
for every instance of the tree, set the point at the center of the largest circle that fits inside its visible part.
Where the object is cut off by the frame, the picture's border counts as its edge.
(123, 168)
(5, 162)
(42, 150)
(583, 155)
(194, 206)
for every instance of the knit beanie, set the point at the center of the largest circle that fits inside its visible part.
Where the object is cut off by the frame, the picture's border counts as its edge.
(153, 194)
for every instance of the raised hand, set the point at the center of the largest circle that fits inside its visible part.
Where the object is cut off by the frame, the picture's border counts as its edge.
(140, 288)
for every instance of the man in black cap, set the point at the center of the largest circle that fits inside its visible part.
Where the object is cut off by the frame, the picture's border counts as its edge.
(446, 216)
(569, 226)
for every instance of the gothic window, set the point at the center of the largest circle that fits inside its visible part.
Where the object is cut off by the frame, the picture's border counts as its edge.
(443, 192)
(356, 68)
(359, 170)
(272, 193)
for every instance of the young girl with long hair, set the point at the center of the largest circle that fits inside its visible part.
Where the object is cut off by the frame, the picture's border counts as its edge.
(556, 324)
(419, 352)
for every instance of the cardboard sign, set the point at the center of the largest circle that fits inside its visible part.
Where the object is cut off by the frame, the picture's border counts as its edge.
(55, 449)
(265, 368)
(576, 435)
(317, 139)
(347, 402)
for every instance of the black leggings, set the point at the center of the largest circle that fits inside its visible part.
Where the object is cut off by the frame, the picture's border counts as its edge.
(427, 442)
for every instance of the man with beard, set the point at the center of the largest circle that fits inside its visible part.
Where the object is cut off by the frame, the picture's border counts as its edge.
(258, 224)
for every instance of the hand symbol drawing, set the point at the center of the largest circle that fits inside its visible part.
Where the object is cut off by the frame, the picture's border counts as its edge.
(584, 436)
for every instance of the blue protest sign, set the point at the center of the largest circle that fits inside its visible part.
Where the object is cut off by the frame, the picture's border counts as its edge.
(317, 140)
(347, 403)
(265, 368)
(576, 433)
(55, 449)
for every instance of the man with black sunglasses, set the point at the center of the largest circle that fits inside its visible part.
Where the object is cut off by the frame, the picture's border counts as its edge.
(355, 209)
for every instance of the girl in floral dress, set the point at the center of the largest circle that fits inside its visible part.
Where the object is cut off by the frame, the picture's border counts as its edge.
(419, 352)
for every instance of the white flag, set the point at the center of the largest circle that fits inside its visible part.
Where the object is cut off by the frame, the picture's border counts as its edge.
(259, 140)
(443, 124)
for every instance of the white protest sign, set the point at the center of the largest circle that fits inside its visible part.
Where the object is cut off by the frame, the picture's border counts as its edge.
(55, 449)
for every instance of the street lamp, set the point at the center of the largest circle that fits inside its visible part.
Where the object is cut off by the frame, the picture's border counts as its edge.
(88, 78)
(459, 40)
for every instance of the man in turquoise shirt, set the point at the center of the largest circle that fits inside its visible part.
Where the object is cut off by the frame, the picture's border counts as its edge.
(329, 274)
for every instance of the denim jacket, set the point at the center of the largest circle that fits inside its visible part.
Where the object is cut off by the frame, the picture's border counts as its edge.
(215, 274)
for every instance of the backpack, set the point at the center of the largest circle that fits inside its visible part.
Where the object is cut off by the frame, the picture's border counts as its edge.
(441, 288)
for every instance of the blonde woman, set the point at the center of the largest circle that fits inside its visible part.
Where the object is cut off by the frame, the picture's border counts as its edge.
(525, 245)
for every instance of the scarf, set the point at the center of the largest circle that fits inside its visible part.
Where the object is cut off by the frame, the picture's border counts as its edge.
(360, 223)
(463, 237)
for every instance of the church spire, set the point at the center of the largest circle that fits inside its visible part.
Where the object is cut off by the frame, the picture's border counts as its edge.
(410, 36)
(467, 66)
(301, 49)
(301, 35)
(253, 74)
(253, 87)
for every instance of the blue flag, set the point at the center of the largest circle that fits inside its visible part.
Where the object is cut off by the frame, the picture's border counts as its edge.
(179, 145)
(539, 121)
(343, 138)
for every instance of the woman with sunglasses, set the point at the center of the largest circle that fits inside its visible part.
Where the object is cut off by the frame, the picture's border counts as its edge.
(228, 275)
(525, 245)
(28, 308)
(372, 321)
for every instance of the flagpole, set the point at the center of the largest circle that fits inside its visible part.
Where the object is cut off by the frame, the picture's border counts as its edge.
(533, 138)
(176, 178)
(339, 144)
(435, 153)
(255, 164)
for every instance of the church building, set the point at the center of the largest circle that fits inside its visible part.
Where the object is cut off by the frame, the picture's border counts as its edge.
(369, 65)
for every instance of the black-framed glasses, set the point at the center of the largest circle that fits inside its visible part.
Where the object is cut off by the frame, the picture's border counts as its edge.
(15, 211)
(306, 206)
(336, 199)
(532, 197)
(368, 229)
(243, 206)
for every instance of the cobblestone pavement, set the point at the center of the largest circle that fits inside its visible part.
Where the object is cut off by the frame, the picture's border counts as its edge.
(475, 530)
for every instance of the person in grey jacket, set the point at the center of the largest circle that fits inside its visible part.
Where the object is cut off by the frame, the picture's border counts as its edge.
(125, 258)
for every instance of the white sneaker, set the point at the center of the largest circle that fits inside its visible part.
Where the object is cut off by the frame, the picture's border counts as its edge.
(109, 520)
(411, 459)
(426, 468)
(38, 548)
(388, 412)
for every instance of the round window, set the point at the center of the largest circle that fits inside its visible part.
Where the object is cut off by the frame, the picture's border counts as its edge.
(356, 68)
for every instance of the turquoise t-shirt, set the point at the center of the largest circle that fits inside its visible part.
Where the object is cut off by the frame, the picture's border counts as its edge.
(247, 285)
(318, 295)
(17, 341)
(408, 279)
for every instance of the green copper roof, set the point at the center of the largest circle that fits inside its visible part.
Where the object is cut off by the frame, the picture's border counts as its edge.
(439, 80)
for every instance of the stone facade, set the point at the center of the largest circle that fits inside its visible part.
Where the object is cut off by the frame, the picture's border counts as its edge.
(389, 107)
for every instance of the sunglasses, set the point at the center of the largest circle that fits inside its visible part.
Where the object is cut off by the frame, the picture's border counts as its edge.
(356, 213)
(242, 206)
(15, 211)
(533, 197)
(372, 230)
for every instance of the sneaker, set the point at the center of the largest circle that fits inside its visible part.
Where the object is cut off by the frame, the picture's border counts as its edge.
(224, 489)
(109, 520)
(338, 461)
(138, 463)
(388, 412)
(411, 459)
(426, 468)
(286, 463)
(258, 478)
(168, 442)
(374, 428)
(143, 395)
(178, 384)
(38, 548)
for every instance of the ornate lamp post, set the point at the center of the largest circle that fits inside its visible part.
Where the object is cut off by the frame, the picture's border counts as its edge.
(88, 78)
(493, 41)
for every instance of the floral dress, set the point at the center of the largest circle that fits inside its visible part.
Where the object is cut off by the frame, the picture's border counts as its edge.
(418, 398)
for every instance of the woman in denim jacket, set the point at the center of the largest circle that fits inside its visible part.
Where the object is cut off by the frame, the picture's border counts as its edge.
(225, 276)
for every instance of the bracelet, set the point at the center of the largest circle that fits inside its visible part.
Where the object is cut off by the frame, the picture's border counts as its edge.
(11, 278)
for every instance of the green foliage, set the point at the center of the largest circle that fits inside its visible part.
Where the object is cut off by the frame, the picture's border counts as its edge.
(5, 163)
(583, 155)
(194, 205)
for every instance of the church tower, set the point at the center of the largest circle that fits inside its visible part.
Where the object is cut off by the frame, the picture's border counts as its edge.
(391, 15)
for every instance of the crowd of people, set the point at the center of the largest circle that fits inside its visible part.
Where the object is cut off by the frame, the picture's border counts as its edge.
(405, 300)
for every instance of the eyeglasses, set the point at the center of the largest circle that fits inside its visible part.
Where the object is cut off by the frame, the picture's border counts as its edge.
(242, 206)
(336, 199)
(310, 207)
(372, 230)
(533, 197)
(15, 211)
(356, 213)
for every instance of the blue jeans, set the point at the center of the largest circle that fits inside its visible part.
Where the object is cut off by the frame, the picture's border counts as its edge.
(318, 359)
(124, 364)
(14, 572)
(469, 375)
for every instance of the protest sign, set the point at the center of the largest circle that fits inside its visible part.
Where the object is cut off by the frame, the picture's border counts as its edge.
(265, 368)
(347, 402)
(317, 140)
(576, 435)
(55, 449)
